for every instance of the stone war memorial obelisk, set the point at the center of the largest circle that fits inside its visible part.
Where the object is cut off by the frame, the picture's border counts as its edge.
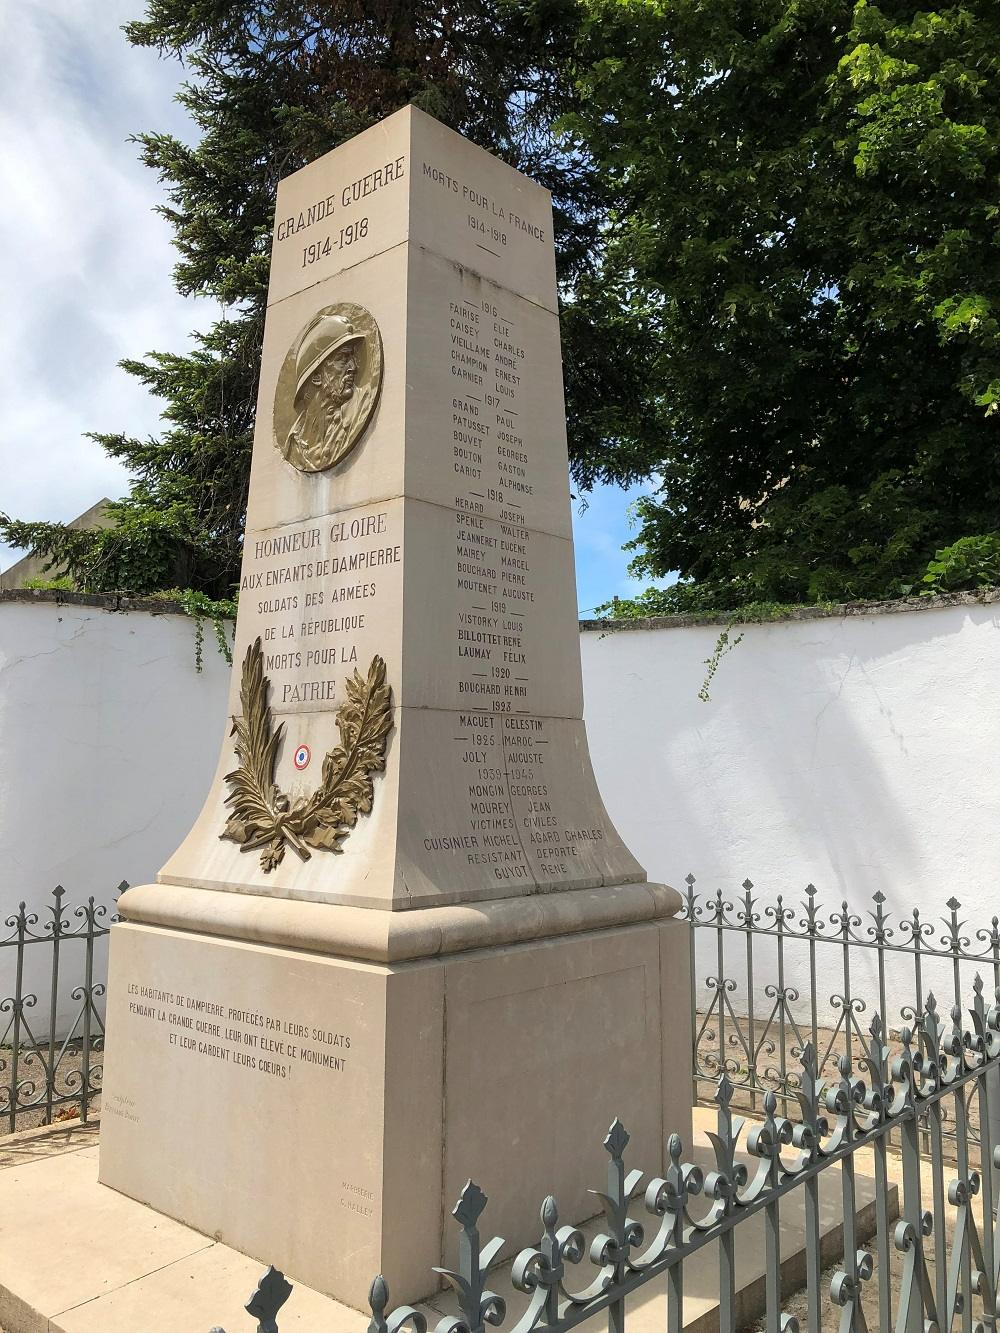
(403, 943)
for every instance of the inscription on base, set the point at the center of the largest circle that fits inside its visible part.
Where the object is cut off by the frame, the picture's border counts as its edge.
(262, 1043)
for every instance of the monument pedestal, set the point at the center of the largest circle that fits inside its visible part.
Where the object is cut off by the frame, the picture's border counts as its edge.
(322, 1113)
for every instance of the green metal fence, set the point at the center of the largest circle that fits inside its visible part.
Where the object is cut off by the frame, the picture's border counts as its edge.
(937, 1266)
(922, 1096)
(768, 976)
(51, 1064)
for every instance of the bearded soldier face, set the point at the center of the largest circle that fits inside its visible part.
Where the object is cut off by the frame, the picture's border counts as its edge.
(336, 376)
(327, 388)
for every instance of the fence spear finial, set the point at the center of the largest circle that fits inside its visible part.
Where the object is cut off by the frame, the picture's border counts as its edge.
(272, 1291)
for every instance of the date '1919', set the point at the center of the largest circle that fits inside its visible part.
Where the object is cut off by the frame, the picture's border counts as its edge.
(347, 236)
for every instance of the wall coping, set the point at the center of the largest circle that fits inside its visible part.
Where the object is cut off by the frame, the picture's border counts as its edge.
(894, 606)
(105, 601)
(158, 606)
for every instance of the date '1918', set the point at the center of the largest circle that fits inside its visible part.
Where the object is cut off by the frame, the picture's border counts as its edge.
(347, 236)
(484, 229)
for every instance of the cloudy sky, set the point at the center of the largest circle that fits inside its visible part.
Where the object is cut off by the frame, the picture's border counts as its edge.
(85, 270)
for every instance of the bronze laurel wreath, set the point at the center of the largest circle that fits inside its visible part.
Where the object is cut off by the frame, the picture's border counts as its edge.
(262, 814)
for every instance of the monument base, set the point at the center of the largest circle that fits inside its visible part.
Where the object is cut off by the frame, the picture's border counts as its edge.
(322, 1113)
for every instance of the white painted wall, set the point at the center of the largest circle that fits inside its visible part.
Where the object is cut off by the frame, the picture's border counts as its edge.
(108, 740)
(859, 753)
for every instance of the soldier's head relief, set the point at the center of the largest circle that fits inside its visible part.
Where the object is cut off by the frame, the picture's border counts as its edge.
(328, 387)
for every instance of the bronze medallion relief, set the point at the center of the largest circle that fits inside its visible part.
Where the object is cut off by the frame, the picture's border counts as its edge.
(328, 387)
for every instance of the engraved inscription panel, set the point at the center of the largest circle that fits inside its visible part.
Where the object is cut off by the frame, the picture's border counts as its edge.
(488, 392)
(332, 217)
(324, 597)
(227, 1064)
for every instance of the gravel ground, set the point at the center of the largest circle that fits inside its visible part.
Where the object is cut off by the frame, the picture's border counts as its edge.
(32, 1108)
(797, 1305)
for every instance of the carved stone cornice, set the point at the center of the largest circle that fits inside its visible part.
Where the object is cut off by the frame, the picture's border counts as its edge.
(395, 937)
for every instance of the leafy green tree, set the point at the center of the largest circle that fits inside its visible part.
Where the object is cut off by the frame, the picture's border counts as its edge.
(809, 232)
(778, 238)
(274, 84)
(971, 562)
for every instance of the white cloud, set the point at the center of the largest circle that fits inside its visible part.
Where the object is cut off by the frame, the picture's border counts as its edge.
(84, 262)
